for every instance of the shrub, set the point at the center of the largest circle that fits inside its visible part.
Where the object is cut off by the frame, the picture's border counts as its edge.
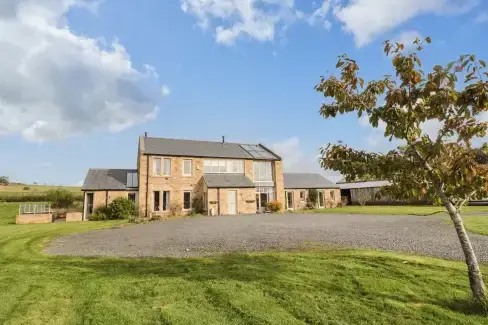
(101, 213)
(274, 206)
(174, 209)
(26, 188)
(60, 198)
(363, 198)
(121, 208)
(313, 196)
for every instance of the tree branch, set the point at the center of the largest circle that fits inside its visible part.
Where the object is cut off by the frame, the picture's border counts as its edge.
(462, 202)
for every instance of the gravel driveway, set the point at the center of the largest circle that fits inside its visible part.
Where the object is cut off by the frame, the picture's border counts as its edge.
(213, 235)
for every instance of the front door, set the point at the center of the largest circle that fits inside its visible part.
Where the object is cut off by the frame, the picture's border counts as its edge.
(289, 200)
(89, 205)
(232, 202)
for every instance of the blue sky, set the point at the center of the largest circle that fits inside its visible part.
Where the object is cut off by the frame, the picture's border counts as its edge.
(84, 79)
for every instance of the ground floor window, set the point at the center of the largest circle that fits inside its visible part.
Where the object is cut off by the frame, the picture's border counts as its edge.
(186, 200)
(166, 200)
(156, 200)
(332, 195)
(303, 195)
(132, 197)
(264, 195)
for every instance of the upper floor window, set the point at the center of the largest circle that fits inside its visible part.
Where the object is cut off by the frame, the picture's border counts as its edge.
(166, 170)
(166, 167)
(132, 180)
(263, 171)
(222, 166)
(187, 167)
(157, 166)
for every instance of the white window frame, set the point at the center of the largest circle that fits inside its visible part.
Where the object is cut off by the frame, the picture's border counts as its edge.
(154, 201)
(169, 202)
(184, 200)
(163, 169)
(191, 167)
(155, 171)
(223, 166)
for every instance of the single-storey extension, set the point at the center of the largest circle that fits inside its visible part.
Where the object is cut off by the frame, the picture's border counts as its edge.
(298, 185)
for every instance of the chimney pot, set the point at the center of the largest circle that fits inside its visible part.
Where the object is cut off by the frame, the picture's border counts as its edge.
(145, 134)
(223, 139)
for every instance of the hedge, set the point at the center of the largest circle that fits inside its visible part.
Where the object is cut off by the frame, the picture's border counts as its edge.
(32, 197)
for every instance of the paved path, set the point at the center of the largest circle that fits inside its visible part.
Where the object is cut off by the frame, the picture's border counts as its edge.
(205, 236)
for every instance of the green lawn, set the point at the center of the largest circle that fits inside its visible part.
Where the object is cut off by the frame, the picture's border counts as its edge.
(394, 210)
(307, 287)
(475, 224)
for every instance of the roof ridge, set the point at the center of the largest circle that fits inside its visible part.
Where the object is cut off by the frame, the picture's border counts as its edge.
(194, 140)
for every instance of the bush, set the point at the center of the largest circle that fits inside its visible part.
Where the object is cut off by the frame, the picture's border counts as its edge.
(26, 188)
(313, 196)
(101, 213)
(174, 209)
(121, 208)
(274, 206)
(60, 198)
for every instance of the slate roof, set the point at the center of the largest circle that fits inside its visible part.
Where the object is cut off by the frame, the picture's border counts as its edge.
(307, 181)
(367, 184)
(194, 148)
(107, 179)
(227, 181)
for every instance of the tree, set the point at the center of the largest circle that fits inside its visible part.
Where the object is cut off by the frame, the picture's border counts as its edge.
(4, 180)
(446, 167)
(60, 198)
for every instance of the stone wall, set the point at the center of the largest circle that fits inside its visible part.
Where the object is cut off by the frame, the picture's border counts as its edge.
(279, 183)
(74, 216)
(23, 219)
(301, 203)
(246, 200)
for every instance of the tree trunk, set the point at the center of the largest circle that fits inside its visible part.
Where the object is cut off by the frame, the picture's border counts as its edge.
(475, 277)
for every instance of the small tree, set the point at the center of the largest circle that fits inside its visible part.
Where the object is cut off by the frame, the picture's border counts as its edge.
(4, 180)
(363, 198)
(313, 196)
(445, 167)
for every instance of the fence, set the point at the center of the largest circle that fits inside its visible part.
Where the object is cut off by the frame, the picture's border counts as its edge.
(34, 208)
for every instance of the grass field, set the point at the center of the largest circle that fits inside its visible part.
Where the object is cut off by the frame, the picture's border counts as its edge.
(15, 189)
(475, 224)
(394, 210)
(308, 287)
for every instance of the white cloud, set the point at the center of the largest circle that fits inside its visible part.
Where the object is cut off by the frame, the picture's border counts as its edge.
(319, 16)
(367, 19)
(165, 91)
(256, 19)
(482, 18)
(296, 161)
(57, 84)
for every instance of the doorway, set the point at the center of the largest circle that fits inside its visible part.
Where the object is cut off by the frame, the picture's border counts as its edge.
(89, 205)
(321, 199)
(232, 202)
(289, 200)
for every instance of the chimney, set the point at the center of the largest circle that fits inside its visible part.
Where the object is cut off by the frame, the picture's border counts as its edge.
(223, 139)
(145, 134)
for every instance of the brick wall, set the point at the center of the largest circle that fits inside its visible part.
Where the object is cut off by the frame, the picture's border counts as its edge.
(74, 216)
